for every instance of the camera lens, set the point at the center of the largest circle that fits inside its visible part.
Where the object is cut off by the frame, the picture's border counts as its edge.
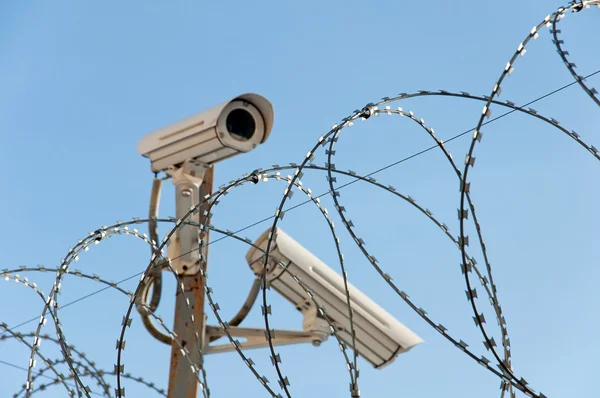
(240, 124)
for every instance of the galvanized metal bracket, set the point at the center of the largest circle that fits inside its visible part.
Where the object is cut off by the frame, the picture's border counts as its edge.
(183, 248)
(257, 338)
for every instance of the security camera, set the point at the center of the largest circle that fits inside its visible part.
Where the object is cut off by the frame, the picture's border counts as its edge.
(223, 131)
(380, 338)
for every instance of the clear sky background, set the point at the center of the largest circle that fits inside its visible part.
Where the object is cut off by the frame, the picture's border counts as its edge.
(82, 82)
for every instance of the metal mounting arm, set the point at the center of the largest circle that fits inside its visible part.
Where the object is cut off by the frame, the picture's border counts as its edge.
(183, 250)
(316, 331)
(256, 338)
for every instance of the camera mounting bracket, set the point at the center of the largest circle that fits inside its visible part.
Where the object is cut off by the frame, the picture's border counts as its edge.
(256, 338)
(316, 331)
(191, 170)
(183, 249)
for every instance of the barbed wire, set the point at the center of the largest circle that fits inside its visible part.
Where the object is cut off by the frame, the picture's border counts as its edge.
(355, 178)
(80, 368)
(592, 92)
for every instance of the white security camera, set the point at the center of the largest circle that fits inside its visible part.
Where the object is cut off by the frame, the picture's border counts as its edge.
(380, 338)
(223, 131)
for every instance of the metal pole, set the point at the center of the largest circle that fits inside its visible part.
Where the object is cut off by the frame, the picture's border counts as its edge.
(183, 383)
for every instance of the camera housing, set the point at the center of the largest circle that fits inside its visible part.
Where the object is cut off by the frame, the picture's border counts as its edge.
(232, 127)
(380, 337)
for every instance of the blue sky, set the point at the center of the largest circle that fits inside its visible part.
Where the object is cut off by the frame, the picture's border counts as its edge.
(82, 82)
